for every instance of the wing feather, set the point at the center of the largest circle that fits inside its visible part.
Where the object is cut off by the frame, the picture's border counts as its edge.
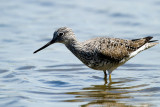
(116, 49)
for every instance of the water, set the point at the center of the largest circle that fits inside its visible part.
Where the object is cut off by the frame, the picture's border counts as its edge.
(55, 77)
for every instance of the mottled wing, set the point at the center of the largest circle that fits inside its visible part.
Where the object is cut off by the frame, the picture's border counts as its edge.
(116, 49)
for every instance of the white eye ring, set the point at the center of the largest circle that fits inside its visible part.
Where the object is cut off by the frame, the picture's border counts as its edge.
(61, 34)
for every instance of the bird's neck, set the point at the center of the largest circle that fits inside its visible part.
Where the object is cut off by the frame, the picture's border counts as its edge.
(75, 47)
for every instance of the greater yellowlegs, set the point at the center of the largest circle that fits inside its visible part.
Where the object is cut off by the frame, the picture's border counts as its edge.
(101, 53)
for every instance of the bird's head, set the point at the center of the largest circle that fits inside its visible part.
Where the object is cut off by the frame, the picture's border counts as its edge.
(63, 35)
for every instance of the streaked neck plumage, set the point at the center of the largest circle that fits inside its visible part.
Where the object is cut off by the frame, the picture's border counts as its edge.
(74, 46)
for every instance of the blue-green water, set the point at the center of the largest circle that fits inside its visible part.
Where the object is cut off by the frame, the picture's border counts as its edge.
(56, 78)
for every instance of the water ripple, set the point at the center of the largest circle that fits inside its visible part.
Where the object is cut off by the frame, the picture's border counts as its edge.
(69, 69)
(121, 15)
(26, 68)
(56, 83)
(3, 71)
(151, 90)
(65, 65)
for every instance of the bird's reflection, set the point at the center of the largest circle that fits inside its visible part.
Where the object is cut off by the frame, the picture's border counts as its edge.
(106, 95)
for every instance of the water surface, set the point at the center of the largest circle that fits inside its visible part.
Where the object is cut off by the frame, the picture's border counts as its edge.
(55, 77)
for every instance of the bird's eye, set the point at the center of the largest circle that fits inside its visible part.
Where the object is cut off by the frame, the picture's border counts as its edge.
(61, 34)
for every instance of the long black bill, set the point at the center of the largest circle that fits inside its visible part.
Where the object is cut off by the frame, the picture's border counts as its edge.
(49, 43)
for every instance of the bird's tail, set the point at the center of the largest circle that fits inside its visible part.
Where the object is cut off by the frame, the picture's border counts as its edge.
(144, 43)
(150, 43)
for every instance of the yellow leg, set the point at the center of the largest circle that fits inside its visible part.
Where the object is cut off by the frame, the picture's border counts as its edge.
(110, 78)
